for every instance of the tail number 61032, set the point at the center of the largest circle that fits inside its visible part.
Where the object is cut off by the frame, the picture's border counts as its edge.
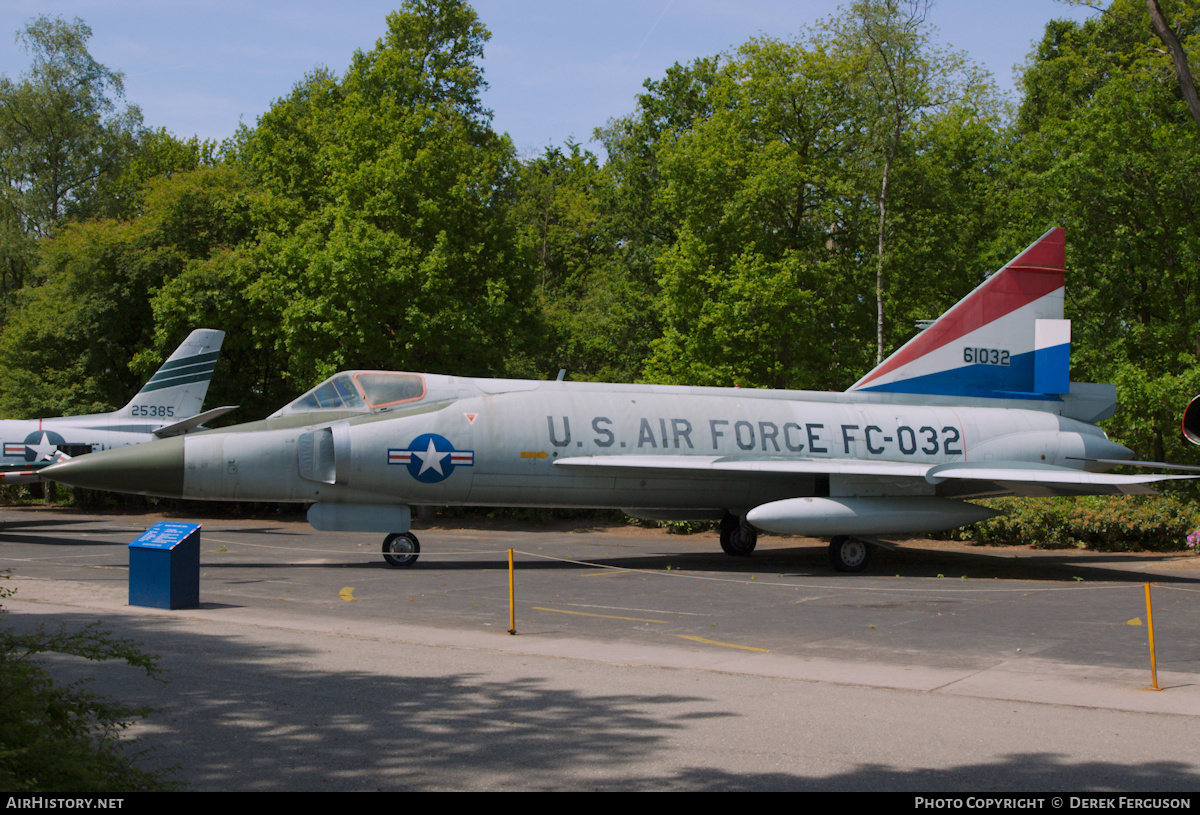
(985, 356)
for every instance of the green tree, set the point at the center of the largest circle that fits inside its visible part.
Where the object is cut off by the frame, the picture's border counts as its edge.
(670, 107)
(592, 310)
(1106, 146)
(900, 79)
(763, 179)
(950, 224)
(285, 151)
(74, 334)
(366, 223)
(768, 226)
(158, 154)
(621, 303)
(18, 254)
(1164, 30)
(61, 134)
(1157, 400)
(403, 252)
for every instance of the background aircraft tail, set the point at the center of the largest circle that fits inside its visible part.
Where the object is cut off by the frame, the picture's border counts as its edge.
(177, 389)
(1005, 340)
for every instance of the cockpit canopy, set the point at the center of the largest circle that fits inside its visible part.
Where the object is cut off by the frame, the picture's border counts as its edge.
(361, 391)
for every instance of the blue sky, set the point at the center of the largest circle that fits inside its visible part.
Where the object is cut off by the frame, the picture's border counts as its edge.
(555, 70)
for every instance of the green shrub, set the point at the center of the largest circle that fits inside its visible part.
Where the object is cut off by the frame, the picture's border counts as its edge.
(66, 738)
(1111, 523)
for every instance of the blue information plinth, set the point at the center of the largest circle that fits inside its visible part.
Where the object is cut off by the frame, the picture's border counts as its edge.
(164, 567)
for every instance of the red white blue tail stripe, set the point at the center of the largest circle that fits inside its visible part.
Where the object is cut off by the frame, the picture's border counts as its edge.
(1005, 340)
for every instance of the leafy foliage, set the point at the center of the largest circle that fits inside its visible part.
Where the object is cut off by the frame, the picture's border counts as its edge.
(777, 199)
(1123, 523)
(1106, 146)
(399, 250)
(62, 141)
(67, 738)
(365, 223)
(71, 338)
(61, 135)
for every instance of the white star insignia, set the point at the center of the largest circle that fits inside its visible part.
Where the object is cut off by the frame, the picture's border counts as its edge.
(431, 459)
(44, 449)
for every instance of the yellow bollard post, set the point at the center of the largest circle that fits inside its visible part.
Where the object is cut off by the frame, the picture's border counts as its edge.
(512, 605)
(1150, 628)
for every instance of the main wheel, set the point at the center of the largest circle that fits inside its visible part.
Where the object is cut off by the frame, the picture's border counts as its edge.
(738, 539)
(401, 549)
(728, 524)
(849, 554)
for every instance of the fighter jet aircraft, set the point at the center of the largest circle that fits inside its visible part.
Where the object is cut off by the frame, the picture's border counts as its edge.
(167, 405)
(978, 404)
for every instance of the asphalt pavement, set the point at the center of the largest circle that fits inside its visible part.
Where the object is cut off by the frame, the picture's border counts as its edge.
(640, 660)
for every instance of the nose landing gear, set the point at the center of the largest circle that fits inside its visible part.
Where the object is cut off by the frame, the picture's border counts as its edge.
(401, 549)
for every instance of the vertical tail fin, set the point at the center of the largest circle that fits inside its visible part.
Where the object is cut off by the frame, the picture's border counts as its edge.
(1005, 340)
(177, 389)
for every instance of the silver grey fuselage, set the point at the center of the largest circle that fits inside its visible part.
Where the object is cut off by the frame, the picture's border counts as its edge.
(517, 441)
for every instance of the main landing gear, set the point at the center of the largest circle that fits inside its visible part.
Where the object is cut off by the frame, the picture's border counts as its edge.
(401, 549)
(738, 538)
(846, 553)
(849, 554)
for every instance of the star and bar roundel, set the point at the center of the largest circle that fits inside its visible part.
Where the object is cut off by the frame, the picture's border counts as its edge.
(430, 458)
(40, 445)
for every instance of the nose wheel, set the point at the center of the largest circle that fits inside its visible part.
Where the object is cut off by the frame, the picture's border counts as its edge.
(401, 549)
(849, 554)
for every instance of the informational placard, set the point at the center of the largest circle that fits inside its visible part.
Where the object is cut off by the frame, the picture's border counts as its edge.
(164, 535)
(164, 566)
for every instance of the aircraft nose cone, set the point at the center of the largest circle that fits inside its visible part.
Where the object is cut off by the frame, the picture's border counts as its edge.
(152, 468)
